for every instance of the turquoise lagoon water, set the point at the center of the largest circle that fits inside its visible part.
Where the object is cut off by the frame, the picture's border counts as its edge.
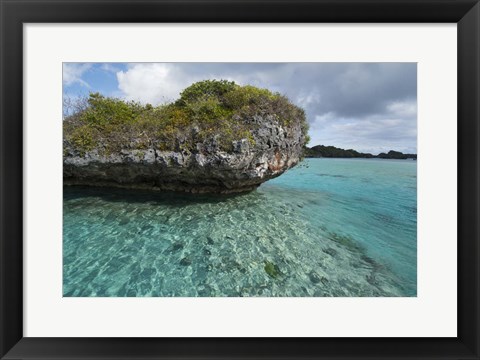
(328, 227)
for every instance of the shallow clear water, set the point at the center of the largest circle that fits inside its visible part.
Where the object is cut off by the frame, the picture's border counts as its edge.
(328, 227)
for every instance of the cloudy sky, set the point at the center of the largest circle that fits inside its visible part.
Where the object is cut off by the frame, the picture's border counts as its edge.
(369, 107)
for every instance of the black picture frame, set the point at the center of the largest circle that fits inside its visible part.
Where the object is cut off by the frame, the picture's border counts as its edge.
(14, 13)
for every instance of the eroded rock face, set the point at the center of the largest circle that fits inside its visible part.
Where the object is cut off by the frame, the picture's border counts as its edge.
(275, 149)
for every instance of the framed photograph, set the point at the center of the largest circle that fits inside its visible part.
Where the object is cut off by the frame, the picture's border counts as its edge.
(239, 179)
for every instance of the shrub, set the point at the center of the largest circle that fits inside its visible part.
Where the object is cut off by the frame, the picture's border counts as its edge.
(204, 110)
(83, 139)
(104, 111)
(215, 88)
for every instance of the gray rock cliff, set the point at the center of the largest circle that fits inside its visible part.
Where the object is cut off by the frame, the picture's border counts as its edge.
(207, 169)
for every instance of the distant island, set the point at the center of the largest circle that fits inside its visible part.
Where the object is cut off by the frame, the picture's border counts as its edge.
(320, 151)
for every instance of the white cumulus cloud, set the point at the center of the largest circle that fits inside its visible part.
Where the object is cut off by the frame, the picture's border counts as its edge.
(152, 83)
